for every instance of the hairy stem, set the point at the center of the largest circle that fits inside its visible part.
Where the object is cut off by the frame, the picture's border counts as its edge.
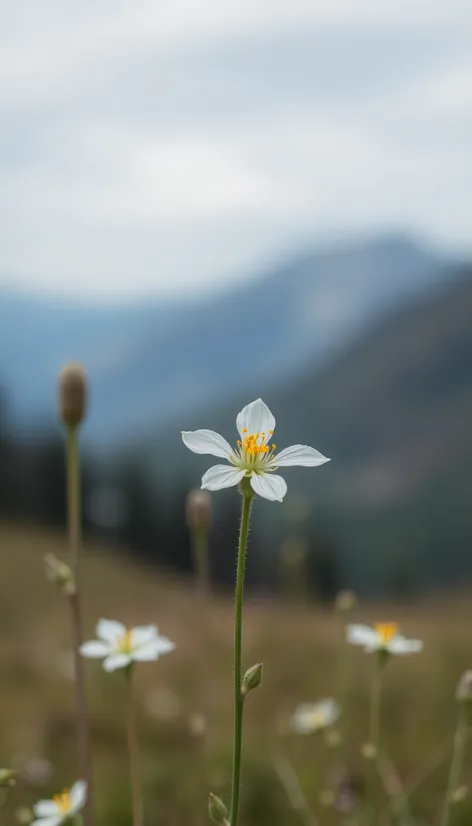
(238, 634)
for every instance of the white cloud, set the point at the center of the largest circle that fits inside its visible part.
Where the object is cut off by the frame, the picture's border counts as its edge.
(151, 146)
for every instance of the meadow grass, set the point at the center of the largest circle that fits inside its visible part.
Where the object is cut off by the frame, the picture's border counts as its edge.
(298, 645)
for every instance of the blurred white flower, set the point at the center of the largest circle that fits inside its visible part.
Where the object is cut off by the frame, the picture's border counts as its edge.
(62, 807)
(311, 717)
(253, 457)
(382, 637)
(119, 646)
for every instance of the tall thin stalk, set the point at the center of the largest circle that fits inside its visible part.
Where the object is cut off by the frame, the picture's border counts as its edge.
(133, 754)
(247, 497)
(74, 520)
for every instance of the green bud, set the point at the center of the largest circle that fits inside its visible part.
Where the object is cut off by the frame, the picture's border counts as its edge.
(217, 809)
(59, 573)
(7, 777)
(252, 679)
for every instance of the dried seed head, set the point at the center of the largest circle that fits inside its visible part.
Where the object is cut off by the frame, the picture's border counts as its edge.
(464, 689)
(198, 510)
(72, 394)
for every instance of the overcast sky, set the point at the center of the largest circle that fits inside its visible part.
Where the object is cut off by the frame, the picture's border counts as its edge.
(155, 146)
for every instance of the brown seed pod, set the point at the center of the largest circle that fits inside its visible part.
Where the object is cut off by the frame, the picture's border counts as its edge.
(72, 394)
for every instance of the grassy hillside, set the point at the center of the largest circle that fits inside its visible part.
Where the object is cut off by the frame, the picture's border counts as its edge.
(298, 645)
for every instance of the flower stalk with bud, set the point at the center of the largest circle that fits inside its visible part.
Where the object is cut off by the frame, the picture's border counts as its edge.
(72, 411)
(252, 466)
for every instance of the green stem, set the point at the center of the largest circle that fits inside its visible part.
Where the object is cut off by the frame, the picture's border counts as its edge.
(371, 797)
(133, 753)
(238, 635)
(460, 741)
(74, 521)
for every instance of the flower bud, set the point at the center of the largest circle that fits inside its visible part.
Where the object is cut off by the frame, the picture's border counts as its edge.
(59, 573)
(198, 510)
(72, 394)
(346, 602)
(464, 689)
(7, 777)
(217, 809)
(252, 679)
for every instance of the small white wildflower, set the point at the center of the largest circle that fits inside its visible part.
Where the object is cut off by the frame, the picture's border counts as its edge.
(311, 717)
(383, 637)
(62, 807)
(119, 646)
(253, 457)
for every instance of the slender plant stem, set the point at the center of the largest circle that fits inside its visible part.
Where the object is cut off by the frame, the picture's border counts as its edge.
(202, 587)
(238, 635)
(133, 752)
(74, 520)
(460, 742)
(371, 797)
(343, 684)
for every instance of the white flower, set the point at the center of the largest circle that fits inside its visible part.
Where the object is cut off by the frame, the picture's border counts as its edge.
(382, 637)
(62, 807)
(311, 717)
(253, 457)
(120, 646)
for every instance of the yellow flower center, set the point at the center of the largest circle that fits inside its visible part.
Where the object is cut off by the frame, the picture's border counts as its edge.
(63, 801)
(124, 643)
(386, 631)
(254, 447)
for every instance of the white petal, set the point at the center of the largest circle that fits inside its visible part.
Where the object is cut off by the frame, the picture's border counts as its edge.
(53, 820)
(115, 661)
(142, 635)
(310, 717)
(207, 441)
(221, 476)
(46, 808)
(271, 486)
(362, 635)
(256, 418)
(110, 630)
(400, 645)
(94, 649)
(78, 796)
(153, 650)
(300, 455)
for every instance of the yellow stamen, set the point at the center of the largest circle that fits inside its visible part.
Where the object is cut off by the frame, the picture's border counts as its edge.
(124, 642)
(244, 430)
(386, 631)
(62, 801)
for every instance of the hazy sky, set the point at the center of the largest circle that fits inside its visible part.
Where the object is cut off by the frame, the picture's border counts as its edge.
(150, 145)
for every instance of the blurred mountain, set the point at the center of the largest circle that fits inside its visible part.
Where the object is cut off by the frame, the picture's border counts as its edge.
(149, 363)
(393, 410)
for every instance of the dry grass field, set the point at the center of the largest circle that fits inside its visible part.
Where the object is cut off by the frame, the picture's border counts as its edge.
(299, 646)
